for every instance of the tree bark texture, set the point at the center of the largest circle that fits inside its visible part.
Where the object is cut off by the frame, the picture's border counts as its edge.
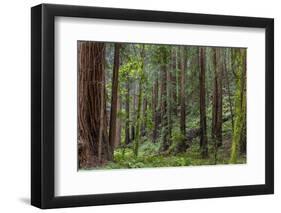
(93, 139)
(164, 95)
(217, 98)
(203, 124)
(182, 92)
(155, 110)
(127, 108)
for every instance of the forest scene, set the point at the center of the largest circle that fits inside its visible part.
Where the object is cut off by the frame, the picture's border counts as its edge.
(155, 105)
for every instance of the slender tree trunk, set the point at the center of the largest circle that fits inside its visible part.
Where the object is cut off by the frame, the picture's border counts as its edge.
(93, 140)
(140, 99)
(174, 81)
(144, 113)
(118, 122)
(179, 64)
(155, 110)
(182, 93)
(127, 108)
(169, 99)
(114, 96)
(164, 120)
(164, 95)
(240, 104)
(133, 113)
(217, 99)
(215, 94)
(244, 102)
(219, 96)
(228, 90)
(137, 137)
(203, 125)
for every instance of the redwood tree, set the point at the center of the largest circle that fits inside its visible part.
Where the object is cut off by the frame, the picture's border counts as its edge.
(217, 98)
(164, 95)
(93, 143)
(155, 110)
(203, 125)
(182, 92)
(127, 108)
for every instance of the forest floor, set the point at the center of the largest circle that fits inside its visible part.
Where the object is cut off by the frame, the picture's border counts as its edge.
(149, 156)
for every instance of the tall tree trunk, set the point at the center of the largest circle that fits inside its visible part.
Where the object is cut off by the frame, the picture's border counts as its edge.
(144, 101)
(169, 100)
(215, 94)
(114, 96)
(174, 81)
(240, 104)
(243, 134)
(118, 122)
(182, 92)
(217, 98)
(155, 110)
(144, 113)
(93, 139)
(133, 132)
(140, 99)
(127, 108)
(138, 122)
(225, 69)
(179, 64)
(164, 95)
(102, 106)
(203, 125)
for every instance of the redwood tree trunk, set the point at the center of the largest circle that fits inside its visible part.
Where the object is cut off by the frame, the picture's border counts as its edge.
(219, 114)
(127, 108)
(203, 125)
(92, 124)
(174, 81)
(155, 110)
(118, 123)
(134, 117)
(164, 95)
(178, 79)
(217, 98)
(140, 100)
(144, 113)
(215, 93)
(225, 72)
(182, 93)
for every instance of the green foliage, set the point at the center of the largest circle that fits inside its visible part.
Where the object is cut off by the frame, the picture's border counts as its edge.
(177, 139)
(149, 148)
(177, 136)
(131, 70)
(140, 66)
(149, 156)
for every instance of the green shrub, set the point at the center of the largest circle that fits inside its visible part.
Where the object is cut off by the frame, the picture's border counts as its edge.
(149, 148)
(177, 139)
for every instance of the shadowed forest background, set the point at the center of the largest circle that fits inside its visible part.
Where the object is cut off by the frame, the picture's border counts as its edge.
(146, 105)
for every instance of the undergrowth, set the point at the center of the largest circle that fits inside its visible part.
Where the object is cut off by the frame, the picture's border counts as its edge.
(150, 156)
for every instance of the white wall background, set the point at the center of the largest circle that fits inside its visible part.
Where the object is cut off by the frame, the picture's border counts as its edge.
(15, 105)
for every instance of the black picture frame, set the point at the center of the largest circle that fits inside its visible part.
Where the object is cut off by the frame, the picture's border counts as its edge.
(43, 105)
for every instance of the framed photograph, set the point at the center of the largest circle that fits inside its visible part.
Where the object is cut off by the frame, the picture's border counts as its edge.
(139, 106)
